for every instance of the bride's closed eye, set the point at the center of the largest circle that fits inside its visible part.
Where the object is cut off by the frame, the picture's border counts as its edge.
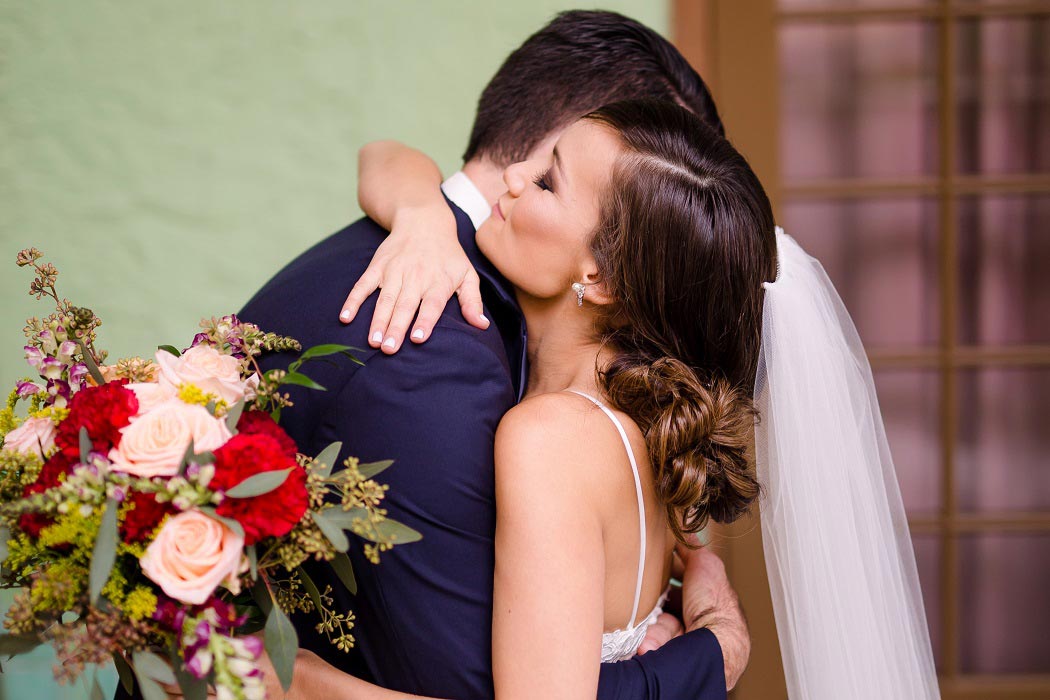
(543, 180)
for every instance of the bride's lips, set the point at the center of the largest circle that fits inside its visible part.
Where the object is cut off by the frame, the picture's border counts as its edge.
(497, 211)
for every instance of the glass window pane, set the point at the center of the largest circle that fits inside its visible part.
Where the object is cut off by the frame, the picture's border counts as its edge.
(909, 400)
(1003, 443)
(1003, 103)
(1004, 250)
(928, 561)
(1003, 603)
(858, 100)
(882, 257)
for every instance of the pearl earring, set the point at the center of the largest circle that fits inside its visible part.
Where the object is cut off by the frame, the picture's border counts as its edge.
(579, 288)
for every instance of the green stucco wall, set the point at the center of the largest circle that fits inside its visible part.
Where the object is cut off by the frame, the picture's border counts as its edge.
(170, 156)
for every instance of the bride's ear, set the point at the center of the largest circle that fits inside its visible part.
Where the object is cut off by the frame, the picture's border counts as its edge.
(595, 290)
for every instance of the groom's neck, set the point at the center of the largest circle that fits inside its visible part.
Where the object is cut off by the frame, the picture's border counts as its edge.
(487, 177)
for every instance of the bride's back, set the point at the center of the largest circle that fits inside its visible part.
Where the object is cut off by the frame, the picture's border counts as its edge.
(598, 460)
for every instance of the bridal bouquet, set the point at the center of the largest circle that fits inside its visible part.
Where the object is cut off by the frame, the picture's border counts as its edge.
(154, 513)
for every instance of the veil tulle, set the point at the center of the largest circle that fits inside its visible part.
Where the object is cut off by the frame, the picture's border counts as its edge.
(838, 553)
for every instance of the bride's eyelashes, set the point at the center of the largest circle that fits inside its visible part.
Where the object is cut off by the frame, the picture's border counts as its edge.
(543, 180)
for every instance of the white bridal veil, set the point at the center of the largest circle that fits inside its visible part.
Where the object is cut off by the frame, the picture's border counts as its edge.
(841, 568)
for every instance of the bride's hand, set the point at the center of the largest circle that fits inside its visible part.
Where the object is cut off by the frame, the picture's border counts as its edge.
(416, 267)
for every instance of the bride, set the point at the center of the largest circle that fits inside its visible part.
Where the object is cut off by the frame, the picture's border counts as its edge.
(672, 329)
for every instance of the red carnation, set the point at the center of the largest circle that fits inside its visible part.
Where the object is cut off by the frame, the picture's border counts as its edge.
(143, 516)
(103, 410)
(260, 423)
(272, 514)
(49, 477)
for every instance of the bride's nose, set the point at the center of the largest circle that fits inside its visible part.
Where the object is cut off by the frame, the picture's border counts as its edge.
(516, 179)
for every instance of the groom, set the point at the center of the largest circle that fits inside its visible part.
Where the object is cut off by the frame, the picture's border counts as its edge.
(424, 614)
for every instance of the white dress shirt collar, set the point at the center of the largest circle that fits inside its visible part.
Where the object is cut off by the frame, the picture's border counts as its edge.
(466, 195)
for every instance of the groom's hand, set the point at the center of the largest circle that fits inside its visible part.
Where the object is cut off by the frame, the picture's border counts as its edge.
(709, 601)
(666, 628)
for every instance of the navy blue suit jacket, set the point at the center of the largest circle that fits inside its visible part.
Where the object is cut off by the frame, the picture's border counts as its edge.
(423, 615)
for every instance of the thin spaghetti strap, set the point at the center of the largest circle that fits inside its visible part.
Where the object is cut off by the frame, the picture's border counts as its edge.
(638, 492)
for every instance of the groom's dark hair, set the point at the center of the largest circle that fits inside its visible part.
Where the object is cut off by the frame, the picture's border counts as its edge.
(580, 61)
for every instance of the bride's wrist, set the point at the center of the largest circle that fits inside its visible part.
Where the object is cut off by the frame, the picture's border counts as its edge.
(433, 217)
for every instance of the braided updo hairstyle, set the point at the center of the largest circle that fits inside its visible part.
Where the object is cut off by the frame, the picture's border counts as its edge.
(684, 241)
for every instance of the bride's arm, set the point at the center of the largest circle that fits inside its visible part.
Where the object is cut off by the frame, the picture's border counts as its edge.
(421, 264)
(548, 603)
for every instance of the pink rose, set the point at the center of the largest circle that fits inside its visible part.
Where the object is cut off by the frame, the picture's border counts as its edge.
(36, 437)
(155, 442)
(205, 368)
(151, 395)
(192, 555)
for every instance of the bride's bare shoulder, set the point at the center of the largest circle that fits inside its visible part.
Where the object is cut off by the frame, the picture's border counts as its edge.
(560, 432)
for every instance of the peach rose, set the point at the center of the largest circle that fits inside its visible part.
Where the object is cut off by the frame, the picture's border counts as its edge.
(155, 442)
(151, 395)
(31, 436)
(207, 369)
(191, 555)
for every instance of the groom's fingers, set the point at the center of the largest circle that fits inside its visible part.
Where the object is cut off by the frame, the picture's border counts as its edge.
(401, 317)
(368, 283)
(470, 303)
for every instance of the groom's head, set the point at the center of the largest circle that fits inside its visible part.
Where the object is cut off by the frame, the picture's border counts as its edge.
(579, 62)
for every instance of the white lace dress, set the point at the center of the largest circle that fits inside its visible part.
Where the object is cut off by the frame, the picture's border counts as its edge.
(622, 644)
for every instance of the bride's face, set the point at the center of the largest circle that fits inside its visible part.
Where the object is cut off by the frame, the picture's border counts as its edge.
(540, 230)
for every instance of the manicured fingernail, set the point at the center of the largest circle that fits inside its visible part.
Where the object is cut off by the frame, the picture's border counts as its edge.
(377, 337)
(417, 334)
(483, 318)
(389, 343)
(345, 316)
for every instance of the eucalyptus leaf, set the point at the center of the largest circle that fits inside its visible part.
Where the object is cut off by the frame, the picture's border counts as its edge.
(281, 643)
(258, 484)
(150, 689)
(261, 594)
(253, 561)
(234, 415)
(300, 379)
(89, 362)
(344, 519)
(189, 455)
(152, 666)
(124, 672)
(193, 688)
(5, 535)
(96, 689)
(228, 522)
(345, 571)
(15, 644)
(398, 533)
(328, 457)
(385, 531)
(170, 349)
(105, 552)
(325, 350)
(372, 468)
(331, 530)
(311, 588)
(86, 445)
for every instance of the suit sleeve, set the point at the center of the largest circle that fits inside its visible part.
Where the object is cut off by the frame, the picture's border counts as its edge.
(690, 666)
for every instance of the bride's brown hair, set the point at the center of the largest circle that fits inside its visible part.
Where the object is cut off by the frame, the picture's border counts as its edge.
(684, 241)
